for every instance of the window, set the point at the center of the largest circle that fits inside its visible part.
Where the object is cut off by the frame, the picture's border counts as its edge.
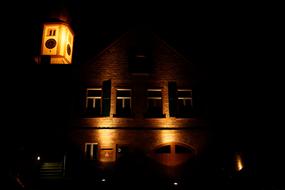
(184, 105)
(51, 32)
(91, 151)
(98, 100)
(182, 149)
(123, 102)
(94, 101)
(173, 153)
(154, 103)
(164, 149)
(180, 101)
(139, 60)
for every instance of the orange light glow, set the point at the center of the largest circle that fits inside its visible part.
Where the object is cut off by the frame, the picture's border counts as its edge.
(107, 137)
(104, 122)
(239, 162)
(167, 136)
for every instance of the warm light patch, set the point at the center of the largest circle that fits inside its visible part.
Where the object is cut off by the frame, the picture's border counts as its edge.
(166, 136)
(239, 162)
(107, 148)
(107, 137)
(107, 154)
(103, 122)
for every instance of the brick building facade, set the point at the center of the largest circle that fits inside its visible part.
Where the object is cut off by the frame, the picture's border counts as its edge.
(139, 95)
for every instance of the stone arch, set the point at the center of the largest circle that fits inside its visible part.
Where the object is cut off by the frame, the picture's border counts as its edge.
(173, 153)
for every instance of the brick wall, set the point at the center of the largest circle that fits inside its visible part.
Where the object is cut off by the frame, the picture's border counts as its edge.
(138, 131)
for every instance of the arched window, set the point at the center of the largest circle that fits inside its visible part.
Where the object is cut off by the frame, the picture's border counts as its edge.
(173, 153)
(163, 149)
(179, 149)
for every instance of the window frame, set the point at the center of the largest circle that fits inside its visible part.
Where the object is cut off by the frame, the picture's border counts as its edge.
(139, 60)
(91, 151)
(153, 114)
(123, 98)
(93, 98)
(180, 112)
(185, 97)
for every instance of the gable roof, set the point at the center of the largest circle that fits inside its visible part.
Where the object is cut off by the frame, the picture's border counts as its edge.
(137, 29)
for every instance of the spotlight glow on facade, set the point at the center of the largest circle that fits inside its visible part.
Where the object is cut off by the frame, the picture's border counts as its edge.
(239, 162)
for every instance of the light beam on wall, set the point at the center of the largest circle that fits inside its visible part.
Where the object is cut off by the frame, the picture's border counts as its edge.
(239, 162)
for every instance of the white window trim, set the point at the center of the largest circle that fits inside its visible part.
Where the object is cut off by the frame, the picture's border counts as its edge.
(124, 101)
(154, 97)
(154, 89)
(184, 98)
(185, 90)
(123, 98)
(92, 97)
(91, 150)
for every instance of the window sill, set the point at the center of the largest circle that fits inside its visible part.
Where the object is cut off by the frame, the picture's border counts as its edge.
(157, 115)
(131, 115)
(89, 115)
(185, 115)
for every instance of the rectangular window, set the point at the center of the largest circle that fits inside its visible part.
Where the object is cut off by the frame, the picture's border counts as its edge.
(94, 101)
(124, 102)
(182, 149)
(185, 105)
(154, 103)
(139, 60)
(91, 151)
(98, 101)
(51, 32)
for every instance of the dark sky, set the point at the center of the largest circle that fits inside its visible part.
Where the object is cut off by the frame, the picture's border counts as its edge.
(218, 30)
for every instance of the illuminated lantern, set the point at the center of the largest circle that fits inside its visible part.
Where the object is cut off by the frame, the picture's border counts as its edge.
(57, 43)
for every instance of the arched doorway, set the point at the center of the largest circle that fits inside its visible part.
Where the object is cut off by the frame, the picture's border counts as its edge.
(173, 153)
